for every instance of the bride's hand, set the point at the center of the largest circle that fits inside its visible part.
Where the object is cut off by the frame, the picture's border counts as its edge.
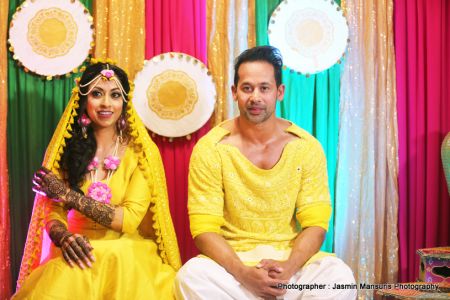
(77, 249)
(47, 184)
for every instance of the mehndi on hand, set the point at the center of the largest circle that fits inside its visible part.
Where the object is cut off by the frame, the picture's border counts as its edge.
(75, 248)
(47, 184)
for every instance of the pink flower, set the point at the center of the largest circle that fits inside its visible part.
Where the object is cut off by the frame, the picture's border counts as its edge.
(84, 120)
(111, 162)
(93, 164)
(100, 192)
(107, 73)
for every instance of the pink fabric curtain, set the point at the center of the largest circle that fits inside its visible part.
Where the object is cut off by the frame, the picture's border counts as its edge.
(5, 263)
(422, 45)
(180, 26)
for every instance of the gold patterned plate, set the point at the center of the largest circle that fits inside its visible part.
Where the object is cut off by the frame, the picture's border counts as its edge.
(174, 94)
(51, 37)
(312, 35)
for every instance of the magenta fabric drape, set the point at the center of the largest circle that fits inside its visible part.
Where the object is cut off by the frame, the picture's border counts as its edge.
(5, 263)
(422, 39)
(180, 26)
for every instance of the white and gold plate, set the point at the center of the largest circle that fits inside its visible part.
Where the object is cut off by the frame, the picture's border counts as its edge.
(174, 94)
(51, 37)
(312, 35)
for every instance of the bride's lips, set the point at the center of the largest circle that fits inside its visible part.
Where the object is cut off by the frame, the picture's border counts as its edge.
(105, 114)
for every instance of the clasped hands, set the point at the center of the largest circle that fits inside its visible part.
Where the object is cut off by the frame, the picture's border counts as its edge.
(75, 248)
(264, 279)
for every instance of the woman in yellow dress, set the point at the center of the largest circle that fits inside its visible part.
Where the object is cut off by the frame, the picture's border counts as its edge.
(101, 197)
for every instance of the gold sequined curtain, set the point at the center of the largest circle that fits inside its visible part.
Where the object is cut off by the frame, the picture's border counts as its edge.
(367, 190)
(120, 32)
(230, 30)
(5, 263)
(380, 75)
(251, 24)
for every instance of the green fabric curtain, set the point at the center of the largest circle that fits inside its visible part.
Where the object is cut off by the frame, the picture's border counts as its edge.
(34, 108)
(310, 102)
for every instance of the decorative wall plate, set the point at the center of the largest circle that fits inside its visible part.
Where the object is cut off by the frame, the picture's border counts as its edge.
(174, 94)
(51, 37)
(312, 35)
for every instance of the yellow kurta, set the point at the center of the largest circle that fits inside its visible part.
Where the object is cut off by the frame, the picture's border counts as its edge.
(252, 207)
(127, 265)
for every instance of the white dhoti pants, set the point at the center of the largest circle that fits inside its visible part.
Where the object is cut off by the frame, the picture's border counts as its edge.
(203, 278)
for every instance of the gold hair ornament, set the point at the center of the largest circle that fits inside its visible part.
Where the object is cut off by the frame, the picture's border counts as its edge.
(106, 74)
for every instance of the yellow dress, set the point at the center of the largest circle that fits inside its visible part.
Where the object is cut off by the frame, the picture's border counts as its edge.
(127, 266)
(254, 209)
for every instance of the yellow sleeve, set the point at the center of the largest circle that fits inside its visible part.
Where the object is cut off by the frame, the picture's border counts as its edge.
(136, 201)
(205, 223)
(56, 212)
(313, 201)
(205, 192)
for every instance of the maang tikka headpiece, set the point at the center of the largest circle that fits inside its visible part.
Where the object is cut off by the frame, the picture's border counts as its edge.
(106, 74)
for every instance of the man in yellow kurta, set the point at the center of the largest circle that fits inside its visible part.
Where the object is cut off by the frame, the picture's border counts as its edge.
(250, 179)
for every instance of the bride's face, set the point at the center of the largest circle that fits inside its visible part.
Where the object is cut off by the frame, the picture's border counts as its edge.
(104, 104)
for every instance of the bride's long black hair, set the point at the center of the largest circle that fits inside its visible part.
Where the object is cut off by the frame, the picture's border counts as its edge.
(80, 151)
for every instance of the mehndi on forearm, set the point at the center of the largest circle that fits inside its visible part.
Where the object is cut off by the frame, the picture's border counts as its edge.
(99, 212)
(57, 232)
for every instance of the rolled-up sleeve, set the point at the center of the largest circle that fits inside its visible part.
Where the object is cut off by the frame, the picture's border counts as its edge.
(206, 196)
(313, 201)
